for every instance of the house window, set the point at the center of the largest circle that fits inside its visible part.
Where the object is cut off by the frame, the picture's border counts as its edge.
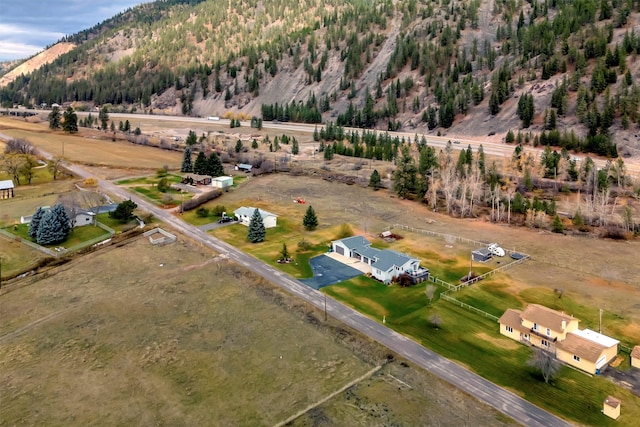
(548, 332)
(546, 343)
(509, 328)
(535, 326)
(576, 358)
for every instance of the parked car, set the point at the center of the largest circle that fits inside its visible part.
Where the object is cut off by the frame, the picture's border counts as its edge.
(495, 249)
(224, 219)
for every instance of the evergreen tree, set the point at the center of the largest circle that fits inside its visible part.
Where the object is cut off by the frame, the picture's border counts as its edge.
(192, 139)
(35, 223)
(54, 118)
(256, 232)
(295, 148)
(374, 180)
(124, 211)
(70, 123)
(200, 166)
(63, 218)
(328, 152)
(50, 230)
(557, 226)
(214, 165)
(103, 116)
(187, 165)
(238, 146)
(310, 220)
(405, 175)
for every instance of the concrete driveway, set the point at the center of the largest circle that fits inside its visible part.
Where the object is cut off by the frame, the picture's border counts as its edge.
(327, 271)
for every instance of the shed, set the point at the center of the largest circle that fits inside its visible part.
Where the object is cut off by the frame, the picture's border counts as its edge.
(84, 218)
(611, 407)
(222, 182)
(6, 189)
(243, 167)
(481, 255)
(635, 357)
(195, 179)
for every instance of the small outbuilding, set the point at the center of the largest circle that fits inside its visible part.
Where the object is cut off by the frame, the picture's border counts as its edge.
(6, 189)
(243, 167)
(481, 255)
(245, 213)
(222, 182)
(611, 407)
(195, 179)
(635, 357)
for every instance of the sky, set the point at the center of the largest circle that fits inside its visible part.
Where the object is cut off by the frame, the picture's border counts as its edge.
(28, 26)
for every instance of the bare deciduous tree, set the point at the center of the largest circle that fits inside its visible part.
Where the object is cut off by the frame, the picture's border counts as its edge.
(546, 363)
(19, 146)
(430, 291)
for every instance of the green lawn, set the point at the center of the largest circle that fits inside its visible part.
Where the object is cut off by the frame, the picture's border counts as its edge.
(149, 180)
(115, 224)
(474, 341)
(76, 236)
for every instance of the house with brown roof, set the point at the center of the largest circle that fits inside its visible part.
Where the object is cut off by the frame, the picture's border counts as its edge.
(635, 357)
(558, 333)
(195, 179)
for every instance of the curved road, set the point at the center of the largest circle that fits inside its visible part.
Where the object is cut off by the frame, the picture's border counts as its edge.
(495, 396)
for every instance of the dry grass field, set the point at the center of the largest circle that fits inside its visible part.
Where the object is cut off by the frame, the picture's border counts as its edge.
(182, 337)
(91, 147)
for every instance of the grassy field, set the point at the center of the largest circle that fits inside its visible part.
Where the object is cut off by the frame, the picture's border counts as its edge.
(474, 341)
(181, 337)
(17, 258)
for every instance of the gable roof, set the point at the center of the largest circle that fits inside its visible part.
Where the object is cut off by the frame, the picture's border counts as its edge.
(388, 258)
(636, 352)
(612, 401)
(513, 318)
(581, 347)
(248, 211)
(546, 317)
(6, 184)
(355, 242)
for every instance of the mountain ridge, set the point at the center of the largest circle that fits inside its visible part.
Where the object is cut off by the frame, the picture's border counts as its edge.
(416, 60)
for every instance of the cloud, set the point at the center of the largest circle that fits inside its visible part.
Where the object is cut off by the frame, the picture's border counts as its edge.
(26, 24)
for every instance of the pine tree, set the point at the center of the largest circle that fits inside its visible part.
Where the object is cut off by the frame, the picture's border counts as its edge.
(187, 165)
(35, 223)
(54, 118)
(70, 123)
(50, 230)
(374, 180)
(200, 166)
(192, 138)
(557, 226)
(310, 220)
(256, 232)
(214, 165)
(63, 218)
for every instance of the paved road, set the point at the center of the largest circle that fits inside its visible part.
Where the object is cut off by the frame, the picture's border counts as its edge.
(490, 148)
(484, 390)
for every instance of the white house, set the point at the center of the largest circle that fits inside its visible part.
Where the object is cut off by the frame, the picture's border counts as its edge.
(84, 218)
(386, 264)
(245, 213)
(222, 182)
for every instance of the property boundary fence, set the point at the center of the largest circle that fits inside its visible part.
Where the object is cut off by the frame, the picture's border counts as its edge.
(28, 243)
(109, 233)
(455, 288)
(446, 297)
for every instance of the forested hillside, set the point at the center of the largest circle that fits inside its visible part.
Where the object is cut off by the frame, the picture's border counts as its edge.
(558, 72)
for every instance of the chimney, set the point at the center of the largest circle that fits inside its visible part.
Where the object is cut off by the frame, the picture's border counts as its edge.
(564, 324)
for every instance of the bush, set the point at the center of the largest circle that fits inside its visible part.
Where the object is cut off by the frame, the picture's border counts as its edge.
(200, 200)
(345, 231)
(163, 185)
(162, 172)
(304, 245)
(90, 182)
(202, 212)
(218, 210)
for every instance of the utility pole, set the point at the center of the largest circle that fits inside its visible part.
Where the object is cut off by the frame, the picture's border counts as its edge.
(600, 324)
(325, 307)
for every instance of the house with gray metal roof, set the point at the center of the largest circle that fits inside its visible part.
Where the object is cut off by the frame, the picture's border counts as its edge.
(386, 264)
(245, 213)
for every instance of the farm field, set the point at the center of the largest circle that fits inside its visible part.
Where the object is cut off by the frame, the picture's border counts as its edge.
(182, 336)
(91, 147)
